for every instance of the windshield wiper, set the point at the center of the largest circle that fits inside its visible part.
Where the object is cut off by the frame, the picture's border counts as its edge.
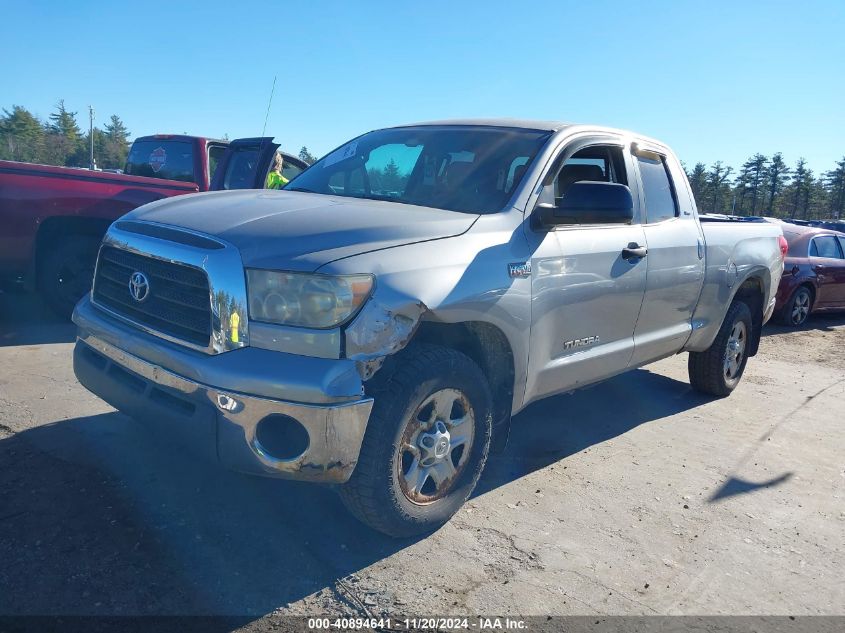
(302, 189)
(378, 196)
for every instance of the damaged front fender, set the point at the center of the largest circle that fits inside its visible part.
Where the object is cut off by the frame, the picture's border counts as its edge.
(379, 331)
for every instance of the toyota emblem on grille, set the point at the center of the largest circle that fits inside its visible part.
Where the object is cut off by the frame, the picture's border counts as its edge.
(139, 287)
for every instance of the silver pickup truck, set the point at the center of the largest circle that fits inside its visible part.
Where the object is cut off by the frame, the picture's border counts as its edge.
(376, 324)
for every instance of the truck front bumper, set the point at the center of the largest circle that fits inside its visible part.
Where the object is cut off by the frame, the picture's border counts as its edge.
(249, 433)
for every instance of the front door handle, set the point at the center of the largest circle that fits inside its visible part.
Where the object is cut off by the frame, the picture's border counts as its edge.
(634, 251)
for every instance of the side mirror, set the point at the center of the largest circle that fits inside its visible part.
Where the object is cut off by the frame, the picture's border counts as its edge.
(588, 202)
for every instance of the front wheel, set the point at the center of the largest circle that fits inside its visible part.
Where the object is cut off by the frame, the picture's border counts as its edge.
(718, 369)
(426, 442)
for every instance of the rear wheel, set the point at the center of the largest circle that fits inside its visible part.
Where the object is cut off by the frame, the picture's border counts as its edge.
(426, 443)
(66, 272)
(798, 308)
(718, 369)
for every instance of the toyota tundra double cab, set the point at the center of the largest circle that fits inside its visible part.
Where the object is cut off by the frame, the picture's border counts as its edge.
(376, 324)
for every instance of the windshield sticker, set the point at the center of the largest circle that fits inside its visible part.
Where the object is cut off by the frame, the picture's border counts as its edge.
(344, 153)
(158, 158)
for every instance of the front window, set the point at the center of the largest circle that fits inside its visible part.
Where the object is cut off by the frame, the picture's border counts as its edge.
(459, 168)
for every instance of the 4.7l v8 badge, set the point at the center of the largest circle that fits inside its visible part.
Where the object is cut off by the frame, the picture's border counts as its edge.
(519, 269)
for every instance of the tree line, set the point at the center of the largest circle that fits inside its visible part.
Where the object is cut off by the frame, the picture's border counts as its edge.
(59, 140)
(766, 185)
(763, 185)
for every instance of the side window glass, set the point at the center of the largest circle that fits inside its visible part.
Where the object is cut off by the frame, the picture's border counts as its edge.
(240, 171)
(842, 244)
(660, 202)
(825, 246)
(290, 171)
(595, 163)
(580, 168)
(215, 153)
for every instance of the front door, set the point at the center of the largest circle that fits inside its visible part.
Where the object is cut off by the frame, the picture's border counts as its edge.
(245, 164)
(826, 259)
(586, 294)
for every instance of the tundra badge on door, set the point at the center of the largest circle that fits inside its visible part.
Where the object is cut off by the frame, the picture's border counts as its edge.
(581, 342)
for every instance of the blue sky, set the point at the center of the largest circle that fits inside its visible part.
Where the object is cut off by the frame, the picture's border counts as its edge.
(715, 80)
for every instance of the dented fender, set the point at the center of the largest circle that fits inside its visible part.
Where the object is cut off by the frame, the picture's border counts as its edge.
(379, 331)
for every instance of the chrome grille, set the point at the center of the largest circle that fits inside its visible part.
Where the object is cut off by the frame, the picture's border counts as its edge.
(179, 302)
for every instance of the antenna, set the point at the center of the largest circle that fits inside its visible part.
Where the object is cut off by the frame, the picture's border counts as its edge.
(91, 164)
(266, 116)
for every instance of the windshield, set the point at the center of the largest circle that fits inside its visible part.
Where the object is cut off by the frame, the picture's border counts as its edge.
(459, 168)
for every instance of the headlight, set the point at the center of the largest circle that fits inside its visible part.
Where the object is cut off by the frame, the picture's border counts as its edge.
(304, 299)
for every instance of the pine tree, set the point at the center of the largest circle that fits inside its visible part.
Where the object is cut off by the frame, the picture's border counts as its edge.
(717, 182)
(698, 183)
(835, 182)
(115, 144)
(777, 177)
(21, 136)
(750, 179)
(391, 178)
(64, 138)
(306, 156)
(799, 190)
(817, 196)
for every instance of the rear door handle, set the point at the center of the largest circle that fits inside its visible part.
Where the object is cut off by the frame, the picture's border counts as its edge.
(634, 251)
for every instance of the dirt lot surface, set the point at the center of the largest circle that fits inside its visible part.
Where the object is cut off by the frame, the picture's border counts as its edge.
(635, 496)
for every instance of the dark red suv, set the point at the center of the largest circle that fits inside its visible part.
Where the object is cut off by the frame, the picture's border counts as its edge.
(813, 276)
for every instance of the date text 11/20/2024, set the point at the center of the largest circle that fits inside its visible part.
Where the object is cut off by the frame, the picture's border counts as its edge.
(417, 624)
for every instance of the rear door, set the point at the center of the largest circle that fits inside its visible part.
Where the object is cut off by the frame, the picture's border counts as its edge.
(585, 293)
(675, 257)
(828, 262)
(216, 153)
(245, 164)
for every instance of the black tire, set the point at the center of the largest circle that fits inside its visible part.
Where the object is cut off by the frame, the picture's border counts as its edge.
(374, 493)
(797, 310)
(66, 272)
(709, 370)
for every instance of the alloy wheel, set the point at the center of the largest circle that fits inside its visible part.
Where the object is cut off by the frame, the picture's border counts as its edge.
(800, 308)
(435, 446)
(735, 351)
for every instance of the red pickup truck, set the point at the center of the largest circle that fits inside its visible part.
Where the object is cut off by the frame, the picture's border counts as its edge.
(53, 218)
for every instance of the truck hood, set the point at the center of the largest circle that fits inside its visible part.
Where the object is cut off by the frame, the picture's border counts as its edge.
(289, 230)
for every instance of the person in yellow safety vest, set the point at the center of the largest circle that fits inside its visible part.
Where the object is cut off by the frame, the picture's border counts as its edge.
(234, 322)
(275, 179)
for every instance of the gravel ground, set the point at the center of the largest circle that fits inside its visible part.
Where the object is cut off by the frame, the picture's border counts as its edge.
(635, 496)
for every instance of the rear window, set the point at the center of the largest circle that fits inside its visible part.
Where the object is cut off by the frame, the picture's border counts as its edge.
(795, 248)
(162, 158)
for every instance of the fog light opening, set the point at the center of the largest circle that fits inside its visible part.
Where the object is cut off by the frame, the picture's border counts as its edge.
(281, 437)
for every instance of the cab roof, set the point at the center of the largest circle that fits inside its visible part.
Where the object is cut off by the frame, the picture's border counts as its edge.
(526, 124)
